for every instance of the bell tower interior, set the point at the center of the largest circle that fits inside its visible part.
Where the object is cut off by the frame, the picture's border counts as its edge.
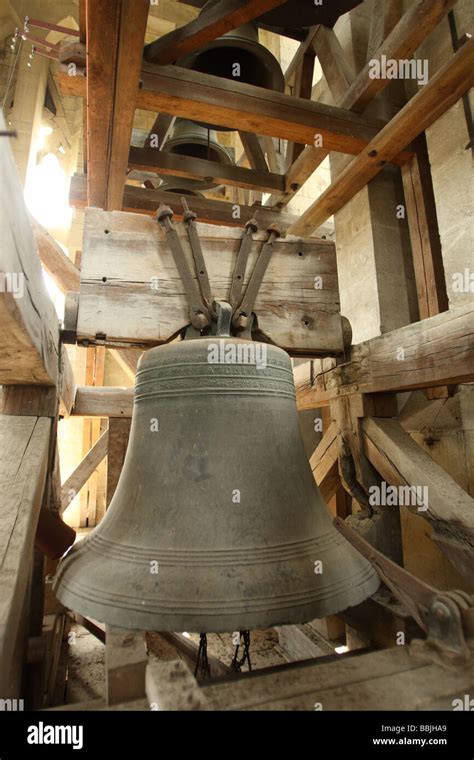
(236, 361)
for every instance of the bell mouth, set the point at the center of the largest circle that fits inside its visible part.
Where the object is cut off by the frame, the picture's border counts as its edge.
(258, 66)
(198, 148)
(181, 189)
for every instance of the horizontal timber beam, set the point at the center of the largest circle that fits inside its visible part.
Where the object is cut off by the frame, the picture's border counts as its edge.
(162, 162)
(103, 402)
(442, 91)
(133, 294)
(202, 97)
(221, 18)
(435, 351)
(141, 200)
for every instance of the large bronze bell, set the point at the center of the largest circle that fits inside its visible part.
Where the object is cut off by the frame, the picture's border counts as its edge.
(301, 14)
(237, 56)
(216, 523)
(195, 141)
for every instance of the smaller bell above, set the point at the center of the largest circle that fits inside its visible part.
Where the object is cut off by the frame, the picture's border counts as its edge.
(238, 56)
(195, 141)
(180, 186)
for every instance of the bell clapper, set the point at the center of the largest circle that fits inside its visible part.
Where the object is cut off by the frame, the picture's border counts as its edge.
(202, 663)
(236, 664)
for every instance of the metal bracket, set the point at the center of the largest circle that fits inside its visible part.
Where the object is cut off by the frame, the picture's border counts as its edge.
(199, 312)
(447, 617)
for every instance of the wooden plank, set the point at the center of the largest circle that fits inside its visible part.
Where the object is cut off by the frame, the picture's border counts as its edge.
(407, 35)
(24, 443)
(56, 263)
(133, 21)
(449, 83)
(103, 402)
(217, 20)
(103, 27)
(424, 233)
(142, 300)
(163, 162)
(28, 400)
(29, 327)
(146, 201)
(119, 432)
(435, 351)
(125, 663)
(401, 461)
(391, 677)
(84, 470)
(324, 463)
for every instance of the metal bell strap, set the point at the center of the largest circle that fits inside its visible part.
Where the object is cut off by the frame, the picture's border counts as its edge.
(199, 311)
(243, 312)
(189, 218)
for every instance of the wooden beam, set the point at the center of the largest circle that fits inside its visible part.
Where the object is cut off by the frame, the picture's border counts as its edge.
(84, 470)
(402, 462)
(29, 327)
(125, 663)
(24, 443)
(407, 35)
(133, 21)
(449, 83)
(103, 28)
(324, 463)
(307, 46)
(435, 351)
(103, 402)
(215, 100)
(146, 201)
(170, 685)
(56, 263)
(336, 66)
(134, 294)
(253, 151)
(390, 677)
(127, 359)
(221, 18)
(163, 162)
(302, 89)
(385, 15)
(424, 233)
